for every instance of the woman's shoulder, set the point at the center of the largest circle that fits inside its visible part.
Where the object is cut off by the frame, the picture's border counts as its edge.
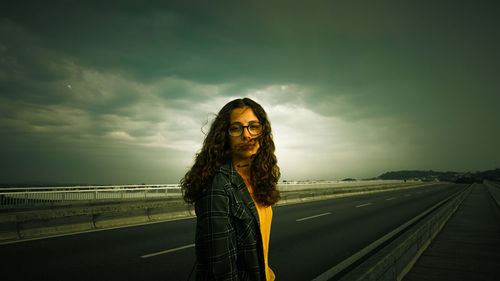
(224, 175)
(217, 190)
(220, 181)
(225, 179)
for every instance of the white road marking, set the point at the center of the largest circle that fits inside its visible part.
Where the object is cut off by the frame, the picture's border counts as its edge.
(167, 251)
(407, 195)
(315, 216)
(392, 198)
(363, 205)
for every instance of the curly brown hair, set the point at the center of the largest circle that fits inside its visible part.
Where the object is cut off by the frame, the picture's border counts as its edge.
(216, 150)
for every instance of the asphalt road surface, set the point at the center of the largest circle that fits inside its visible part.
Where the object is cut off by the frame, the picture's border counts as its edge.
(307, 239)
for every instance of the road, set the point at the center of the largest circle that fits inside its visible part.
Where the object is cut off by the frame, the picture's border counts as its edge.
(306, 240)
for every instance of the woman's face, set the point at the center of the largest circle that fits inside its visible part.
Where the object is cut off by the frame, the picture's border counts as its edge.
(246, 145)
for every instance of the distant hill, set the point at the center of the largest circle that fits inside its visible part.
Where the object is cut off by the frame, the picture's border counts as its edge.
(493, 175)
(349, 179)
(420, 175)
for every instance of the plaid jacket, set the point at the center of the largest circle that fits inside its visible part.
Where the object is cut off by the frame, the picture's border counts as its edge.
(228, 239)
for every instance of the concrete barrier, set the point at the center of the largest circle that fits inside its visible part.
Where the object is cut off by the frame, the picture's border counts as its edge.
(70, 219)
(494, 190)
(394, 260)
(112, 219)
(293, 197)
(58, 220)
(169, 212)
(8, 227)
(57, 225)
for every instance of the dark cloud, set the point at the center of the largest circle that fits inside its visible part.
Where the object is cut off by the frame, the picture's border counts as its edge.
(345, 44)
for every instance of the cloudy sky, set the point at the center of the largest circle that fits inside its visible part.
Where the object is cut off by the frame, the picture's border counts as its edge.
(102, 92)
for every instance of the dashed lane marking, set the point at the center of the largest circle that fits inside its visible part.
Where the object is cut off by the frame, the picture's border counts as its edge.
(363, 205)
(167, 251)
(312, 217)
(392, 198)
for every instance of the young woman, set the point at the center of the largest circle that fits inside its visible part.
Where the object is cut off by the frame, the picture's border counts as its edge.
(233, 186)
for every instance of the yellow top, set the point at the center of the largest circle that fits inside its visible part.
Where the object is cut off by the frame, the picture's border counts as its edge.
(265, 217)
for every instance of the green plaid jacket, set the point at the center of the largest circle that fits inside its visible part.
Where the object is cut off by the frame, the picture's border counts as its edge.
(228, 238)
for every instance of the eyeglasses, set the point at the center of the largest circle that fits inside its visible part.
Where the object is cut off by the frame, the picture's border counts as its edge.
(236, 129)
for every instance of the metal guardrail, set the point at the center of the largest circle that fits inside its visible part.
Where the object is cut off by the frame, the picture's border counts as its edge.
(293, 186)
(38, 196)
